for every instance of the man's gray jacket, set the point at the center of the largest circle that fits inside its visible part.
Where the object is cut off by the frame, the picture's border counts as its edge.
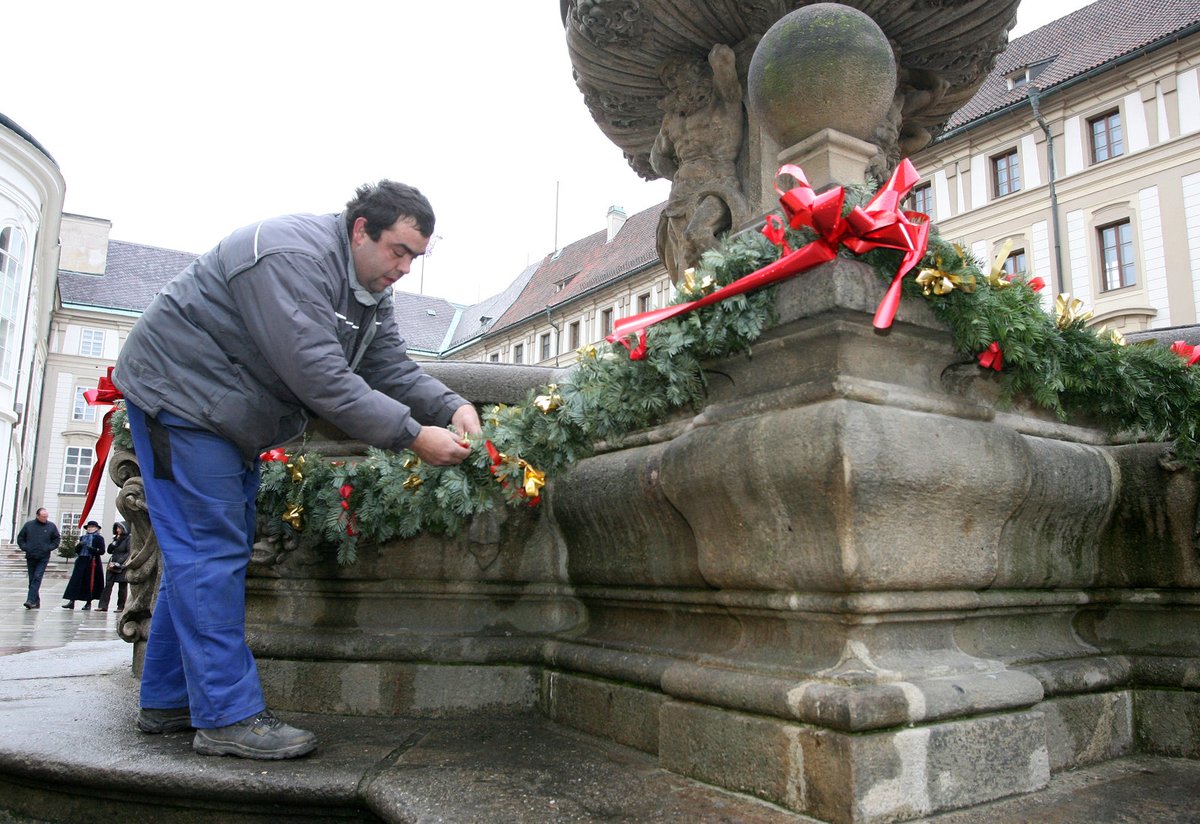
(264, 328)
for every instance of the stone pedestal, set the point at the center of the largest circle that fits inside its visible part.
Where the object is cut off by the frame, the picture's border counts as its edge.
(852, 584)
(830, 158)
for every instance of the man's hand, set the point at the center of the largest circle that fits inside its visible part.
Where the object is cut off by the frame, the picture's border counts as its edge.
(440, 447)
(466, 420)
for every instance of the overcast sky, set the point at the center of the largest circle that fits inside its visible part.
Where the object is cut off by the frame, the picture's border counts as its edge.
(181, 122)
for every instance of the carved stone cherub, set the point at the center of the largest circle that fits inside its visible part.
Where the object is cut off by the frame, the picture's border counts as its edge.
(696, 149)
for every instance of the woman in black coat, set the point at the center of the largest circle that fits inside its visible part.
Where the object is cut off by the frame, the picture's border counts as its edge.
(87, 578)
(118, 557)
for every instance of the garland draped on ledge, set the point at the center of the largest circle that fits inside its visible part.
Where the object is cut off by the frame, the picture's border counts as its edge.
(653, 367)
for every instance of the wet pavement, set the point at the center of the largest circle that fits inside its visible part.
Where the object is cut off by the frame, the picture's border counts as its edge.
(68, 700)
(23, 630)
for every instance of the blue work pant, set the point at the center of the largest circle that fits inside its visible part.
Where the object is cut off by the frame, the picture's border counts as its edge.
(37, 568)
(200, 493)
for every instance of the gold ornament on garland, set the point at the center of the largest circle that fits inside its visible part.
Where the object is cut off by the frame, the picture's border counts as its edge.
(549, 402)
(410, 462)
(296, 468)
(1113, 335)
(996, 277)
(413, 483)
(1068, 311)
(534, 480)
(293, 516)
(693, 287)
(937, 281)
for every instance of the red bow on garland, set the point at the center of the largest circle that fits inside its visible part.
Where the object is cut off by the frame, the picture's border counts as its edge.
(881, 224)
(105, 394)
(992, 357)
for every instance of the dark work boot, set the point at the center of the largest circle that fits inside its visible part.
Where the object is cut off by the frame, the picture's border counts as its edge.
(261, 736)
(157, 722)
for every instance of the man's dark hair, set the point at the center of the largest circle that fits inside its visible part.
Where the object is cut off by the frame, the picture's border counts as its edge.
(385, 202)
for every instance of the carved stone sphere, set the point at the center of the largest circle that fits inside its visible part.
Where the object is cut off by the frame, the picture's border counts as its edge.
(824, 66)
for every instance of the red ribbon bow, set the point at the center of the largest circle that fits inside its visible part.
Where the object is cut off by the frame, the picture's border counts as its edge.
(1186, 351)
(105, 394)
(276, 454)
(992, 357)
(881, 224)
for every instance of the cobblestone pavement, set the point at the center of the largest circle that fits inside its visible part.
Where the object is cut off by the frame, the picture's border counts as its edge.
(22, 630)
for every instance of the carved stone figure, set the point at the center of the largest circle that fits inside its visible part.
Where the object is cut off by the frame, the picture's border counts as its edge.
(943, 49)
(696, 149)
(143, 570)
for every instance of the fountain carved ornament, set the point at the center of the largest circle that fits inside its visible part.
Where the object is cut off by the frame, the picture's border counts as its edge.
(665, 81)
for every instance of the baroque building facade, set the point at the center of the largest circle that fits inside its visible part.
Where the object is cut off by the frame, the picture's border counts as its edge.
(1081, 151)
(103, 286)
(31, 202)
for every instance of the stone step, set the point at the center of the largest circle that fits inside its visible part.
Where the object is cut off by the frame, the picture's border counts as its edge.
(70, 753)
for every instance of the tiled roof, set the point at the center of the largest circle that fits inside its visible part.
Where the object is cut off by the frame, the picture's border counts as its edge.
(473, 324)
(1087, 39)
(423, 320)
(585, 264)
(133, 275)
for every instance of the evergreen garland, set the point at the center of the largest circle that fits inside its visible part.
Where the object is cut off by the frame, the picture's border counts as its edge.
(1056, 361)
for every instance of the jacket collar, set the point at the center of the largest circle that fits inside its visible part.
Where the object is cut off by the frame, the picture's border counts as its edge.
(361, 293)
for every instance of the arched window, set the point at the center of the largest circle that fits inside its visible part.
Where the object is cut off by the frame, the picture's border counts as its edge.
(12, 264)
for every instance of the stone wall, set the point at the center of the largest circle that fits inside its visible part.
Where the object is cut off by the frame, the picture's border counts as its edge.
(853, 584)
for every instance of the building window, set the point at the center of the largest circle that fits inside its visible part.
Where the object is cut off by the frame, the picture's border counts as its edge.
(1107, 141)
(518, 353)
(81, 411)
(922, 200)
(494, 357)
(606, 323)
(573, 335)
(644, 303)
(68, 528)
(1015, 264)
(76, 469)
(545, 346)
(1006, 173)
(91, 343)
(12, 262)
(1116, 252)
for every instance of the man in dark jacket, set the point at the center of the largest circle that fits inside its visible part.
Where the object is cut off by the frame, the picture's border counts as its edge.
(289, 316)
(37, 539)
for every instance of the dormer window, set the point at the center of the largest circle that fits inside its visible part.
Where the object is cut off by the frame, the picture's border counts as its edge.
(559, 285)
(1019, 78)
(1027, 74)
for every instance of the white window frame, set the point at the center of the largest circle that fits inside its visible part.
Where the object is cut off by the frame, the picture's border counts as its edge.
(75, 471)
(91, 343)
(80, 410)
(13, 248)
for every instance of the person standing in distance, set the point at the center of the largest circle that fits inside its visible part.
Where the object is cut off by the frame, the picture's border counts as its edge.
(284, 317)
(87, 575)
(37, 539)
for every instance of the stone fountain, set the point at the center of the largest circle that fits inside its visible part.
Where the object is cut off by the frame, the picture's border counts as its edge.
(664, 81)
(853, 584)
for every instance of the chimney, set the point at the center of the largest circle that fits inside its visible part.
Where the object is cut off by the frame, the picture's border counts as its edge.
(616, 219)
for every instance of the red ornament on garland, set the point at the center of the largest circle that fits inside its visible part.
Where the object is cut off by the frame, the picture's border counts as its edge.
(992, 357)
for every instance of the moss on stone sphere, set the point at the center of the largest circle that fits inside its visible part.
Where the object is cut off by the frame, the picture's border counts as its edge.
(823, 66)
